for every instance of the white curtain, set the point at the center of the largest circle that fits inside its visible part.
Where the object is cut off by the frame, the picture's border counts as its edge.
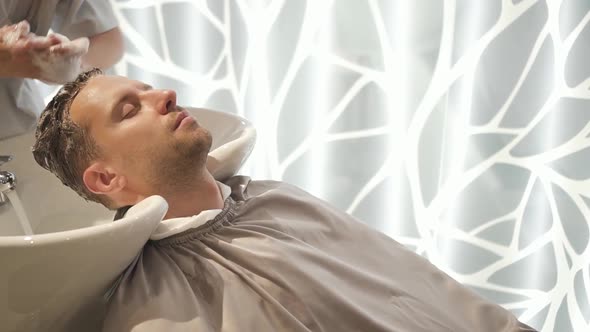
(458, 127)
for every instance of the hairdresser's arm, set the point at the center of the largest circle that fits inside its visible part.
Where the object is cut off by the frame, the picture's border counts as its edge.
(105, 50)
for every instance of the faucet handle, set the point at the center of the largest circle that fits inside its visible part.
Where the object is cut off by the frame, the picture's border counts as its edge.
(5, 159)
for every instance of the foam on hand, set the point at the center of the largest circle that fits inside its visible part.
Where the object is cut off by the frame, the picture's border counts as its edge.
(15, 32)
(59, 63)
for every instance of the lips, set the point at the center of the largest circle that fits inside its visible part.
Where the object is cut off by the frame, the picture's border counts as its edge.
(181, 115)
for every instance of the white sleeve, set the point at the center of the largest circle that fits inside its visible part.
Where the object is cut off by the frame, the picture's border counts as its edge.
(83, 18)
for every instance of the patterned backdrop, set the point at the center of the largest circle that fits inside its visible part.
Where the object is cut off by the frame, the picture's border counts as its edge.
(458, 127)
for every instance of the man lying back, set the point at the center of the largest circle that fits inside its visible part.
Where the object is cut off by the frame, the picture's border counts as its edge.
(242, 255)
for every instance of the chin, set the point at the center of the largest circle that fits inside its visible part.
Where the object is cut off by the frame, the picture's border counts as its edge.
(204, 140)
(195, 149)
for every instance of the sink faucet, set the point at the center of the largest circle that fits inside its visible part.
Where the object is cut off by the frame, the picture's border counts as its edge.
(4, 159)
(7, 180)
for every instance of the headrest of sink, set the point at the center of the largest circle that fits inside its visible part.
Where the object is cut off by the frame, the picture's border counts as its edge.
(152, 207)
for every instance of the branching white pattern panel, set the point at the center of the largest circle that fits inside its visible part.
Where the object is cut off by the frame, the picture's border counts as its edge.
(459, 127)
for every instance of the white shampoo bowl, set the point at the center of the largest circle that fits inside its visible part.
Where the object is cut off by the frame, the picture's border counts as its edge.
(55, 279)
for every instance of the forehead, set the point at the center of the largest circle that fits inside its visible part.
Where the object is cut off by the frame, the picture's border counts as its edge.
(95, 99)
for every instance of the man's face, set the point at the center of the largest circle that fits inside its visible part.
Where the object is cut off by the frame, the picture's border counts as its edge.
(141, 132)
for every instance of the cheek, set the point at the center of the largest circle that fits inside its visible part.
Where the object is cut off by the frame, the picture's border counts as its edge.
(138, 134)
(134, 160)
(133, 146)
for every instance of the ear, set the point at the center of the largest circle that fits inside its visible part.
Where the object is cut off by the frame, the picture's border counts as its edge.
(101, 179)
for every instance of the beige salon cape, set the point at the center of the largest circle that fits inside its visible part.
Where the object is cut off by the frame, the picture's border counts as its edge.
(278, 259)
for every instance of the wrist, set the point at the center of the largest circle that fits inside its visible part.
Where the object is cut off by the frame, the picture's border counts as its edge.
(16, 67)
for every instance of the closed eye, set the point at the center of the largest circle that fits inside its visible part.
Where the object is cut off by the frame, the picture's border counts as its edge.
(129, 110)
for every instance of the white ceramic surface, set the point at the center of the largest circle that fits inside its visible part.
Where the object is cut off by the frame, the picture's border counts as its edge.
(59, 272)
(233, 140)
(48, 281)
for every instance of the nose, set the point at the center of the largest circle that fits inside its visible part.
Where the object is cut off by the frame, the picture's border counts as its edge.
(163, 100)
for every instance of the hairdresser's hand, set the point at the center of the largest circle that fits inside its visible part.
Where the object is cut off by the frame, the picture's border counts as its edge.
(17, 46)
(61, 63)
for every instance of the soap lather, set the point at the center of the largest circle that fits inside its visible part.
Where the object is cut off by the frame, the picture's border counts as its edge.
(60, 63)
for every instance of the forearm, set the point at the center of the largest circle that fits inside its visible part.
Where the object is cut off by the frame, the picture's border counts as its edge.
(105, 50)
(9, 69)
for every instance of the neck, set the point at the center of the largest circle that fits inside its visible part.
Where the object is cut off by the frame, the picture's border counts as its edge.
(191, 200)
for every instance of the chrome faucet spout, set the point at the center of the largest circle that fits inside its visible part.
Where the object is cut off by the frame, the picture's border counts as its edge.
(7, 183)
(5, 159)
(7, 179)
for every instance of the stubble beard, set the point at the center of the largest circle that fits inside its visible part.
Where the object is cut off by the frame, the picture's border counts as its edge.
(182, 165)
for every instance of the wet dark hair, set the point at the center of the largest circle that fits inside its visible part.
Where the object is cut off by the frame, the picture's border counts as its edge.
(63, 147)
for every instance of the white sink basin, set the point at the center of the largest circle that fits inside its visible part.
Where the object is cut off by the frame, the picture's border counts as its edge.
(53, 280)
